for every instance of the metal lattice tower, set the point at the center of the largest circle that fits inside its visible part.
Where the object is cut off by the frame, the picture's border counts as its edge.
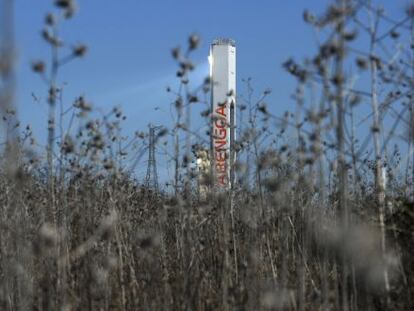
(151, 180)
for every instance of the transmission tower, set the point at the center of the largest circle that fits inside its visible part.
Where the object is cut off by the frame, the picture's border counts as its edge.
(151, 180)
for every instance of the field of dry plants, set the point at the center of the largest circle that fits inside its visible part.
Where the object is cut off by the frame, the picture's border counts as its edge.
(321, 216)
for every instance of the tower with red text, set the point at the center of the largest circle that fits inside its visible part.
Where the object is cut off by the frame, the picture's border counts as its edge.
(223, 103)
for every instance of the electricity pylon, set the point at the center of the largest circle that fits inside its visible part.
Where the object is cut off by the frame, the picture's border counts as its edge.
(151, 180)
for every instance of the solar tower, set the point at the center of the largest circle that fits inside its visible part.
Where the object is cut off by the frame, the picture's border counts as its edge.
(223, 100)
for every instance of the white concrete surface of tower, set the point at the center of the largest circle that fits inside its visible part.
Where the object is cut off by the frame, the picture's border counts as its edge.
(223, 76)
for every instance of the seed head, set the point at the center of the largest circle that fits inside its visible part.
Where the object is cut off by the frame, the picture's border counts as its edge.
(205, 113)
(80, 50)
(38, 66)
(308, 17)
(192, 99)
(64, 4)
(351, 35)
(50, 19)
(175, 52)
(338, 79)
(193, 42)
(262, 108)
(179, 103)
(50, 38)
(410, 10)
(361, 63)
(69, 7)
(68, 145)
(48, 235)
(162, 132)
(394, 34)
(108, 164)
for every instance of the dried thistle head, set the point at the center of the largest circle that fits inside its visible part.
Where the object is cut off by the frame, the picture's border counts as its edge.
(68, 6)
(192, 98)
(48, 235)
(193, 42)
(51, 38)
(81, 104)
(410, 10)
(262, 107)
(362, 63)
(162, 132)
(176, 53)
(38, 66)
(350, 35)
(79, 50)
(68, 145)
(108, 225)
(50, 19)
(308, 17)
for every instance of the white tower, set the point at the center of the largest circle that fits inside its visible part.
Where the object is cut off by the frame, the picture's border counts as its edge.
(223, 101)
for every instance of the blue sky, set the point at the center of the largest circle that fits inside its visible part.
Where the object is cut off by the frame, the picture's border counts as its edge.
(130, 41)
(129, 63)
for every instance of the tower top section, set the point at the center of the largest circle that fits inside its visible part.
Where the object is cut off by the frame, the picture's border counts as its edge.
(224, 41)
